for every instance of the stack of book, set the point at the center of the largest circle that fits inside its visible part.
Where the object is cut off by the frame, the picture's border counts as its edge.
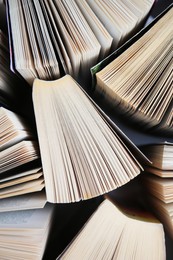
(24, 226)
(158, 181)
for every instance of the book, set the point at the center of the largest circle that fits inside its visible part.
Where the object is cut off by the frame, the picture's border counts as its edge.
(82, 45)
(137, 85)
(13, 128)
(82, 155)
(67, 37)
(103, 36)
(20, 167)
(158, 182)
(24, 234)
(30, 227)
(161, 156)
(69, 219)
(160, 188)
(121, 18)
(111, 233)
(24, 61)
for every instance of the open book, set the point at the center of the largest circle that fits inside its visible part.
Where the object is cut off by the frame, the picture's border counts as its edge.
(82, 155)
(111, 233)
(53, 38)
(158, 182)
(121, 18)
(20, 169)
(24, 234)
(138, 82)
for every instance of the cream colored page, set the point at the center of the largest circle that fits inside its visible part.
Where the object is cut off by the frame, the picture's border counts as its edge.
(97, 27)
(20, 174)
(21, 187)
(21, 180)
(27, 219)
(28, 201)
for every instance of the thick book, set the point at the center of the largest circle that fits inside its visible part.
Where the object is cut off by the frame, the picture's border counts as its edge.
(161, 156)
(138, 80)
(82, 155)
(52, 38)
(158, 182)
(113, 232)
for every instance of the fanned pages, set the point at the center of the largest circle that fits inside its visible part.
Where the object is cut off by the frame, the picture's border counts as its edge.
(18, 154)
(13, 129)
(34, 54)
(23, 59)
(71, 56)
(80, 32)
(51, 38)
(139, 81)
(24, 234)
(82, 156)
(20, 170)
(49, 34)
(98, 28)
(111, 234)
(22, 186)
(121, 18)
